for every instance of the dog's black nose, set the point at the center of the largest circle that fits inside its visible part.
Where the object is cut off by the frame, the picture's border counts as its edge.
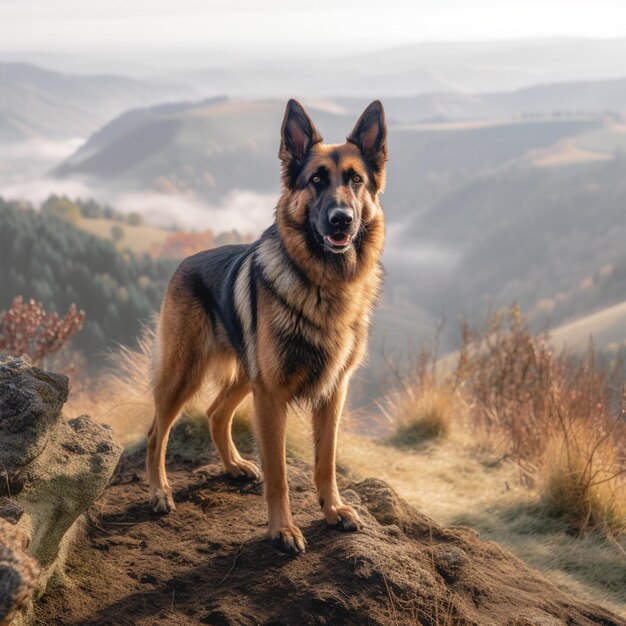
(341, 217)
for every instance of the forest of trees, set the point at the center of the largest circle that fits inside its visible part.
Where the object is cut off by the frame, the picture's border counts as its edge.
(45, 257)
(74, 210)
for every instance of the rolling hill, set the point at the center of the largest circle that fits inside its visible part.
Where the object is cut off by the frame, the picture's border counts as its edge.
(214, 146)
(205, 149)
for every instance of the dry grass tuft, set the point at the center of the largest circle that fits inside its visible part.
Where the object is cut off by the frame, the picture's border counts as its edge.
(423, 405)
(121, 396)
(583, 480)
(420, 414)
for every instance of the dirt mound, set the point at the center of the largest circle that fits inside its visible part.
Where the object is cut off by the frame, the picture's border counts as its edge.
(209, 562)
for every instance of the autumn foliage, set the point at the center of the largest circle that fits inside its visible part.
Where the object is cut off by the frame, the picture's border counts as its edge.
(179, 245)
(26, 328)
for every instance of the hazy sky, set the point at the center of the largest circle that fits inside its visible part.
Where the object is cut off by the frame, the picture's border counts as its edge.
(268, 25)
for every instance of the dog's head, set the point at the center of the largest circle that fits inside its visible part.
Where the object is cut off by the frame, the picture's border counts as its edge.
(330, 192)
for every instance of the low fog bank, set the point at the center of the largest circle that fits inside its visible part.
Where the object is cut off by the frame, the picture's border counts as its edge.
(242, 210)
(245, 211)
(22, 164)
(25, 175)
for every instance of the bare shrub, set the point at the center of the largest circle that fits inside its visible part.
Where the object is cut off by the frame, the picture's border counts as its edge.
(508, 376)
(553, 413)
(26, 328)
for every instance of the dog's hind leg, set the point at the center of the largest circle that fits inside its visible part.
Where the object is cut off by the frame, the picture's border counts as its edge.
(179, 372)
(220, 415)
(172, 390)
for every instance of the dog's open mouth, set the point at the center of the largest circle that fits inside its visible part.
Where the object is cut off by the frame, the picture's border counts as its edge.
(339, 241)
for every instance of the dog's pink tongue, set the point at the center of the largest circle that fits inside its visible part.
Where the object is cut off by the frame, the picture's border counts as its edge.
(339, 240)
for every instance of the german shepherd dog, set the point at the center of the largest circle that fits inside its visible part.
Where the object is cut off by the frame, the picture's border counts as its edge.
(286, 317)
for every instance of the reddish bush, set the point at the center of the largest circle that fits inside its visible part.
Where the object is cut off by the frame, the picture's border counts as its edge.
(26, 328)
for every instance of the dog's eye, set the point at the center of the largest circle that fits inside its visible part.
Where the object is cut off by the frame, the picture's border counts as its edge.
(316, 180)
(356, 179)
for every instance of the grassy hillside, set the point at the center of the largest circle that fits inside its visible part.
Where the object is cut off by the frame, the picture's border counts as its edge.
(138, 239)
(458, 482)
(607, 326)
(608, 140)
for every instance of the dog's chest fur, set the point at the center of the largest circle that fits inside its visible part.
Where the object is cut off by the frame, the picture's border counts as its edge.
(307, 335)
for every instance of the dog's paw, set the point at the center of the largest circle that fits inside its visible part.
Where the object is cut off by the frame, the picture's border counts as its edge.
(161, 501)
(242, 469)
(289, 539)
(342, 517)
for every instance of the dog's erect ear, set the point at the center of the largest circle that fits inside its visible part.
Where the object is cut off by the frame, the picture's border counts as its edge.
(297, 135)
(370, 135)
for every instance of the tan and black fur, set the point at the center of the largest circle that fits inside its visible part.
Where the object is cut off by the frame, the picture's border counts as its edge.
(285, 318)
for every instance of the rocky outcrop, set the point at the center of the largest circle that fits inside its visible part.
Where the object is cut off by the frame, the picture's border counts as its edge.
(51, 468)
(209, 562)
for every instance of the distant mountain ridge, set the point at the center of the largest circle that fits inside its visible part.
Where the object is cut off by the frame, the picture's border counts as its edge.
(41, 103)
(37, 102)
(597, 96)
(427, 67)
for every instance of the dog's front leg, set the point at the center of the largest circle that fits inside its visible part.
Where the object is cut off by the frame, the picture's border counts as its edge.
(271, 424)
(325, 426)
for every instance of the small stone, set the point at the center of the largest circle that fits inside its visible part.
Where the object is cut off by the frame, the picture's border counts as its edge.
(10, 510)
(149, 579)
(18, 572)
(350, 496)
(449, 561)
